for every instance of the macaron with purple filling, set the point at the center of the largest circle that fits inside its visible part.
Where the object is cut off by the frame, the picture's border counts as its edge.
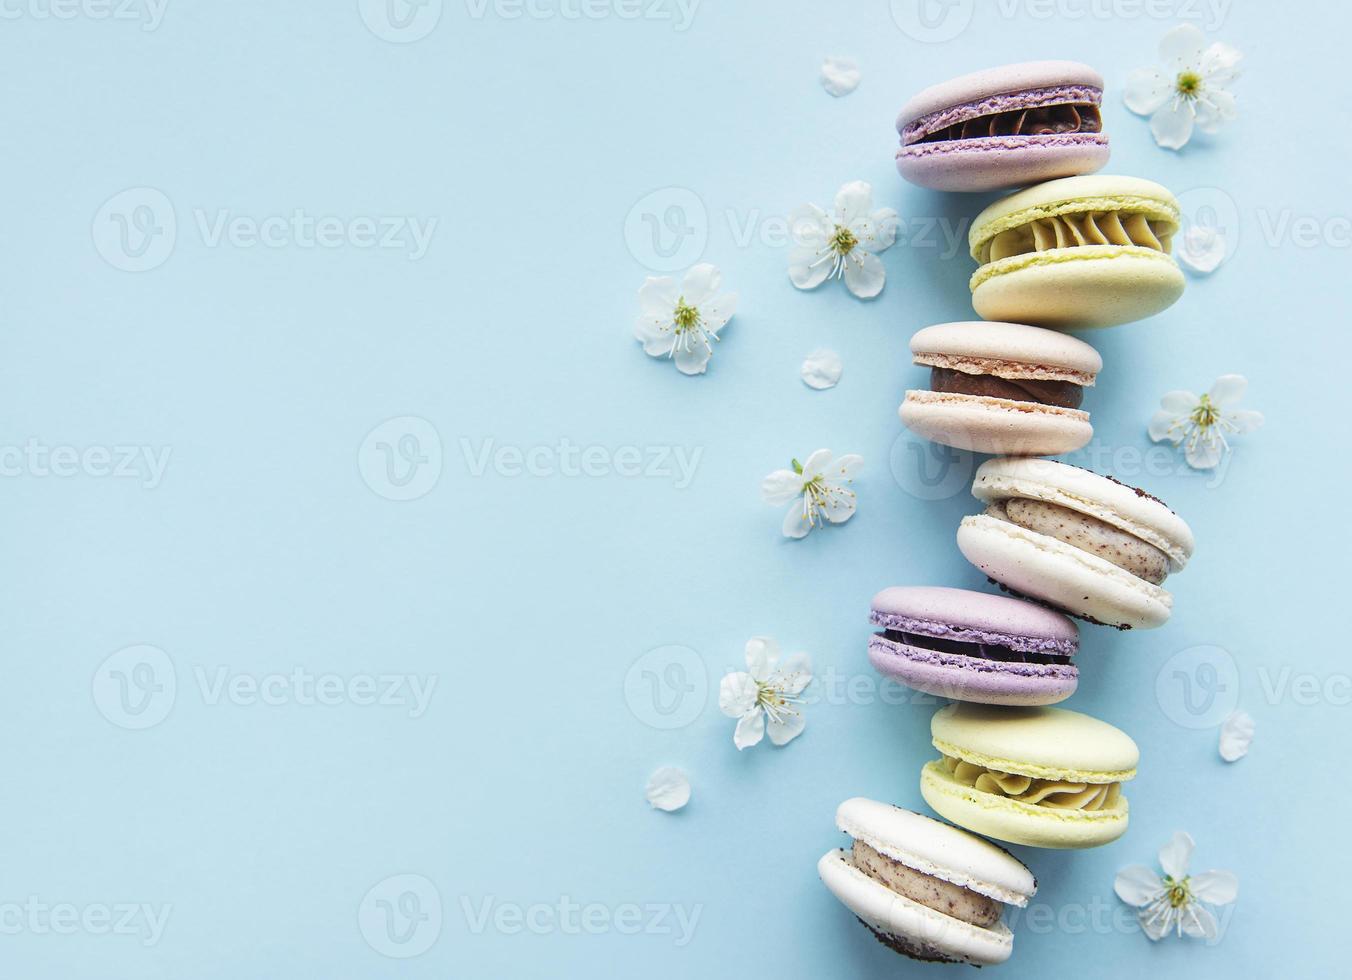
(1004, 127)
(972, 646)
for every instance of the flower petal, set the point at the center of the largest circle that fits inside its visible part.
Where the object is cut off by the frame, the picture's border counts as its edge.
(1179, 402)
(1137, 885)
(1236, 735)
(1175, 855)
(839, 505)
(821, 369)
(781, 486)
(878, 231)
(762, 653)
(1244, 420)
(787, 727)
(1204, 453)
(864, 274)
(840, 76)
(657, 337)
(1182, 47)
(809, 225)
(1216, 887)
(1171, 125)
(700, 283)
(657, 297)
(1199, 923)
(1220, 64)
(1228, 390)
(796, 524)
(795, 673)
(1147, 89)
(693, 359)
(853, 202)
(718, 311)
(1162, 427)
(809, 266)
(750, 729)
(1213, 108)
(736, 694)
(846, 467)
(668, 789)
(816, 464)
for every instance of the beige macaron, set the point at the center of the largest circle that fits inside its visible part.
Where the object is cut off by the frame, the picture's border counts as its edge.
(1003, 388)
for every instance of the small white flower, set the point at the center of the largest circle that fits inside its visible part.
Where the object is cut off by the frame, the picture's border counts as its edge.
(821, 369)
(668, 789)
(767, 689)
(1236, 735)
(840, 76)
(820, 483)
(680, 323)
(1202, 423)
(842, 244)
(1190, 87)
(1173, 903)
(1202, 249)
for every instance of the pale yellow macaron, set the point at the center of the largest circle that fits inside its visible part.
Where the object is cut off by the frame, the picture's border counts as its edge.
(1045, 777)
(1089, 251)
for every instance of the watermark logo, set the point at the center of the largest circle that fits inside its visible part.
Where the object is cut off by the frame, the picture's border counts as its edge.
(135, 230)
(928, 471)
(400, 21)
(667, 687)
(148, 13)
(1208, 214)
(1198, 687)
(135, 687)
(932, 21)
(401, 458)
(667, 229)
(400, 917)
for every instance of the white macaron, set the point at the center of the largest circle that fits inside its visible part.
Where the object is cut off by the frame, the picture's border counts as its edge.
(1090, 545)
(925, 889)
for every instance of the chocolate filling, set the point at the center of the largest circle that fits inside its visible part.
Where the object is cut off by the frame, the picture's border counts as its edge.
(1060, 394)
(983, 651)
(930, 891)
(1047, 120)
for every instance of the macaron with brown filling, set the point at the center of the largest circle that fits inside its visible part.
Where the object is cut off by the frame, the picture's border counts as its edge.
(1003, 388)
(923, 888)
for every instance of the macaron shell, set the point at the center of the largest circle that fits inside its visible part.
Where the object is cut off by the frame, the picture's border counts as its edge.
(1044, 743)
(1019, 823)
(962, 678)
(1096, 192)
(1043, 354)
(923, 932)
(998, 162)
(933, 847)
(1080, 288)
(999, 426)
(1045, 568)
(997, 81)
(976, 617)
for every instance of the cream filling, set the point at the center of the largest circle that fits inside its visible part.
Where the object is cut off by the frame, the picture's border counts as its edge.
(1056, 794)
(935, 893)
(1087, 533)
(1044, 233)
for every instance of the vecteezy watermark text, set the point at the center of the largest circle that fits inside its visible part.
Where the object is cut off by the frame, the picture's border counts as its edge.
(35, 917)
(567, 459)
(572, 918)
(148, 13)
(38, 460)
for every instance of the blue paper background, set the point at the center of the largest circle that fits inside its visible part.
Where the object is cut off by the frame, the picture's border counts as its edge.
(268, 549)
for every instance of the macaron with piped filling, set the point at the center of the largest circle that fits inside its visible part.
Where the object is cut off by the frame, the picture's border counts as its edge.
(1004, 127)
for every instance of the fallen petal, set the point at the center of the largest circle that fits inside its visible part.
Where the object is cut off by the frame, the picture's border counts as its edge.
(840, 76)
(1236, 734)
(668, 789)
(822, 369)
(1202, 249)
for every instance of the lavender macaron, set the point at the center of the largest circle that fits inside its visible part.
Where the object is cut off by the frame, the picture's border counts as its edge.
(972, 646)
(1004, 127)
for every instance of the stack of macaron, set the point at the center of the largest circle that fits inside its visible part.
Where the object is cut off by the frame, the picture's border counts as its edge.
(1071, 250)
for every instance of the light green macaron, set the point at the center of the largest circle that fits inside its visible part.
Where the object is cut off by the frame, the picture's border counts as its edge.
(1090, 251)
(1045, 777)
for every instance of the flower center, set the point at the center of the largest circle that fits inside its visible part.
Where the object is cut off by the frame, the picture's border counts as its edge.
(1206, 414)
(775, 700)
(843, 241)
(686, 316)
(1179, 893)
(1188, 84)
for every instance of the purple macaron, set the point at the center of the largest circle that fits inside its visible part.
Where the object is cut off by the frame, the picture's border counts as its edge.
(972, 646)
(1004, 127)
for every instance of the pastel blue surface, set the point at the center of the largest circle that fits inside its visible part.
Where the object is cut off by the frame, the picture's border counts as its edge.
(240, 793)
